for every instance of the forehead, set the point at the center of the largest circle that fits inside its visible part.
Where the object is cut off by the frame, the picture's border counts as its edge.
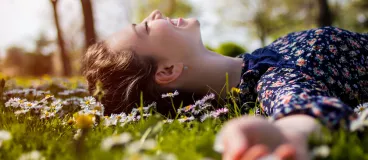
(125, 38)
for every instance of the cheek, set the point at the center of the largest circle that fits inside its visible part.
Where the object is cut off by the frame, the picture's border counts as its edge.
(165, 35)
(163, 32)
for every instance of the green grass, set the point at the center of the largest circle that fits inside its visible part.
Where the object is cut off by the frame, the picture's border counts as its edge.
(54, 138)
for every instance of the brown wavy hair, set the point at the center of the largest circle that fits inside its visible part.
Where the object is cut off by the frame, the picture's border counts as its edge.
(124, 75)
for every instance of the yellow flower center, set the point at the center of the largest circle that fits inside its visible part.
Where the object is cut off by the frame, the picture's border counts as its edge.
(98, 108)
(187, 107)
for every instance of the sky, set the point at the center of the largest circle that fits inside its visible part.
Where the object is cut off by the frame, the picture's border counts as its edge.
(22, 21)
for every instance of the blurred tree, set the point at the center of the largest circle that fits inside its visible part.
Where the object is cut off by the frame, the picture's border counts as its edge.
(274, 18)
(37, 64)
(13, 61)
(325, 17)
(64, 55)
(42, 44)
(170, 8)
(264, 17)
(89, 27)
(18, 62)
(230, 49)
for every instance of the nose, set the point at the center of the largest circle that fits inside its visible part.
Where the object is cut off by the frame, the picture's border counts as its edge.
(156, 14)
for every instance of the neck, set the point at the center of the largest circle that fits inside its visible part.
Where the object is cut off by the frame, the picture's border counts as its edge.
(207, 73)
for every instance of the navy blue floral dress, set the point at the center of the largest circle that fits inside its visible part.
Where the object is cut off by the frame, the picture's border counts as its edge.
(320, 72)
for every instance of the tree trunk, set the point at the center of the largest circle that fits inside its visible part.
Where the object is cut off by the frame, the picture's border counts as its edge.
(89, 28)
(325, 17)
(64, 55)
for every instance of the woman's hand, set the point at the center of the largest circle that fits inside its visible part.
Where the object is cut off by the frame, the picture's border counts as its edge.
(243, 135)
(254, 137)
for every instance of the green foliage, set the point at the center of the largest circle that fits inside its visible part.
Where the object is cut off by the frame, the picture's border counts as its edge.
(352, 16)
(230, 49)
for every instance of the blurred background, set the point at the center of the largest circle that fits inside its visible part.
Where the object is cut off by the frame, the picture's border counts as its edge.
(48, 37)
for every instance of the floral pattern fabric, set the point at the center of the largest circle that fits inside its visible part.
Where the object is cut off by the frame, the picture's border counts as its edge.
(322, 72)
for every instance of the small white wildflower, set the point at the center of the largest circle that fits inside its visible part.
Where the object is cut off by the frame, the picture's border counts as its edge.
(108, 121)
(168, 120)
(22, 111)
(46, 98)
(34, 155)
(137, 146)
(361, 122)
(132, 117)
(87, 102)
(94, 109)
(56, 105)
(28, 105)
(185, 109)
(145, 109)
(171, 95)
(115, 140)
(78, 134)
(219, 112)
(204, 117)
(46, 114)
(4, 135)
(360, 108)
(13, 102)
(321, 151)
(167, 156)
(186, 119)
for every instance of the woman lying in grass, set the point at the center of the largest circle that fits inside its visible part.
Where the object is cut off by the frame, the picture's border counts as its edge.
(314, 74)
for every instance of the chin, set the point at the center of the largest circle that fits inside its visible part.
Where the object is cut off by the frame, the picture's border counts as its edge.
(194, 22)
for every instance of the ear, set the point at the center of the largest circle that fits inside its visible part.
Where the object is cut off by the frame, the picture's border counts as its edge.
(167, 73)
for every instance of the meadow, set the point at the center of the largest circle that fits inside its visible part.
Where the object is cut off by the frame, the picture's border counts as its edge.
(56, 118)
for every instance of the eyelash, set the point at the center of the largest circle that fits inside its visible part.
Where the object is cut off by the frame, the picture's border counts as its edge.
(146, 24)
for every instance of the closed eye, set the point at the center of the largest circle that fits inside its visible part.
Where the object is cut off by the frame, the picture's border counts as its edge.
(146, 24)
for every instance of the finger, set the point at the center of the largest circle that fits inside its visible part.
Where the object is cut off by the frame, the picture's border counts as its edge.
(286, 152)
(234, 145)
(234, 140)
(256, 152)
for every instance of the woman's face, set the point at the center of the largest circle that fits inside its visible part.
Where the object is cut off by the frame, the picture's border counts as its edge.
(160, 37)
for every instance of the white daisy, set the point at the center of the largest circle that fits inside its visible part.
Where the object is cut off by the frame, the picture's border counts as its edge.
(87, 102)
(186, 119)
(14, 102)
(321, 151)
(34, 155)
(115, 140)
(4, 135)
(360, 108)
(171, 95)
